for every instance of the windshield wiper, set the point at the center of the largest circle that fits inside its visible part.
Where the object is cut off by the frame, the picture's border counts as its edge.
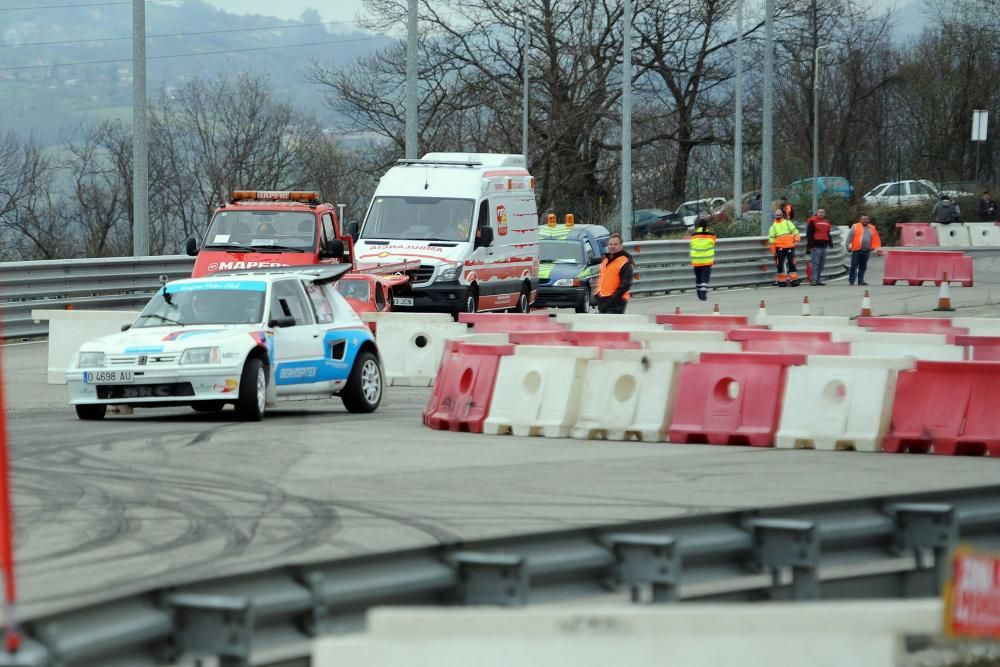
(265, 248)
(227, 246)
(164, 318)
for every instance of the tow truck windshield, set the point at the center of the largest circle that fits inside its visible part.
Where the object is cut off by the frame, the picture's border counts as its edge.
(420, 219)
(262, 231)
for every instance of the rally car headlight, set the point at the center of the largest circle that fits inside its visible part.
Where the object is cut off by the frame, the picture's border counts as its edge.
(566, 282)
(450, 273)
(201, 355)
(91, 360)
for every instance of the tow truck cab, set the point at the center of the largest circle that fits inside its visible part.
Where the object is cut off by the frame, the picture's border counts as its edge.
(258, 228)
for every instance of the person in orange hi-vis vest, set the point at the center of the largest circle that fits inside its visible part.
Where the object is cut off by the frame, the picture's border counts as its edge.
(861, 240)
(616, 277)
(782, 239)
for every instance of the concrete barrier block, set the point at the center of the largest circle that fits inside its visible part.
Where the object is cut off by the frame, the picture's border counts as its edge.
(69, 329)
(983, 234)
(952, 236)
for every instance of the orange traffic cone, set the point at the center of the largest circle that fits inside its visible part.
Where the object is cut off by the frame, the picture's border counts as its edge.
(806, 311)
(944, 296)
(866, 305)
(762, 310)
(715, 310)
(677, 310)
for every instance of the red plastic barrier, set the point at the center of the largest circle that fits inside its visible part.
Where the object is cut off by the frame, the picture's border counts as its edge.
(926, 325)
(980, 348)
(463, 390)
(504, 322)
(919, 266)
(674, 318)
(731, 399)
(778, 346)
(950, 406)
(916, 234)
(778, 335)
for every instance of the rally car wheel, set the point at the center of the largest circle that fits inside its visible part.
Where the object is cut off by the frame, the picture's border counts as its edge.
(584, 305)
(363, 392)
(91, 412)
(253, 391)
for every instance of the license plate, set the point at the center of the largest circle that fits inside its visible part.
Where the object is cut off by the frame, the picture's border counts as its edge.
(402, 300)
(108, 377)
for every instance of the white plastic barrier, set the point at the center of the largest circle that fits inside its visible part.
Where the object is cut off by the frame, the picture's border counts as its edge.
(629, 393)
(804, 322)
(952, 236)
(765, 634)
(979, 326)
(679, 341)
(983, 234)
(926, 352)
(623, 319)
(608, 325)
(860, 335)
(836, 402)
(69, 329)
(483, 338)
(538, 389)
(411, 345)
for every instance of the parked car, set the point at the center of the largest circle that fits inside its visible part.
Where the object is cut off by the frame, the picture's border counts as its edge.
(246, 339)
(802, 189)
(651, 222)
(689, 210)
(901, 193)
(569, 255)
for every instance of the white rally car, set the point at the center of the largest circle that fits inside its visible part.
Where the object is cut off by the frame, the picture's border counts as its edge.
(245, 339)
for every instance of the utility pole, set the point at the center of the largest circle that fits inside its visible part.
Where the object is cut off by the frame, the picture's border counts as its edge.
(768, 120)
(626, 212)
(411, 81)
(815, 199)
(140, 134)
(524, 95)
(738, 134)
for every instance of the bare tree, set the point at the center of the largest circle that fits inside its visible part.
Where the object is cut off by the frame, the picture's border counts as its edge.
(29, 219)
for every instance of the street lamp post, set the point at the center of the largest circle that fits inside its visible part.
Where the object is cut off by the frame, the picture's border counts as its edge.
(815, 199)
(738, 134)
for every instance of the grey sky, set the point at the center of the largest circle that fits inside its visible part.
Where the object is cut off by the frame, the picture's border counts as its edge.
(330, 10)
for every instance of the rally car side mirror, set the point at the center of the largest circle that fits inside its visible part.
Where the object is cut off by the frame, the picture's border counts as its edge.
(191, 246)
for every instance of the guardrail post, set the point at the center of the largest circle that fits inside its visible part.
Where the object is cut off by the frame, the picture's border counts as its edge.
(646, 559)
(30, 654)
(923, 527)
(214, 625)
(491, 579)
(316, 621)
(780, 543)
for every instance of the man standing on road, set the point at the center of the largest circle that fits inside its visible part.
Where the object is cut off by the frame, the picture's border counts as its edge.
(783, 237)
(616, 277)
(818, 231)
(702, 254)
(861, 240)
(946, 211)
(987, 208)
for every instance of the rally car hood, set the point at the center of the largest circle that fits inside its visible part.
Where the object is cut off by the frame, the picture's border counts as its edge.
(152, 340)
(432, 254)
(549, 272)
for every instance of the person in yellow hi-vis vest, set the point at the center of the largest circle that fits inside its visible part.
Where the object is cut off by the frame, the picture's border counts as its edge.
(782, 238)
(702, 255)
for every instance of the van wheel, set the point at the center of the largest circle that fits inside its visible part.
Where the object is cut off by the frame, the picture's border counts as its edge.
(363, 392)
(523, 301)
(584, 305)
(91, 412)
(471, 301)
(253, 391)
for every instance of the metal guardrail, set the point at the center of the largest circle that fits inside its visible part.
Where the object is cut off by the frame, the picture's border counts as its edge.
(664, 266)
(124, 283)
(867, 548)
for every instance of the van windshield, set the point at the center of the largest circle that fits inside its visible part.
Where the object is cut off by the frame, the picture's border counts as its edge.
(260, 230)
(420, 219)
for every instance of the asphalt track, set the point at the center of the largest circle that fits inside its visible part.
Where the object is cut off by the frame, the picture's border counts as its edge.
(162, 497)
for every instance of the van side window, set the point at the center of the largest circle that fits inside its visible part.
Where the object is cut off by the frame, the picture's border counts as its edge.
(484, 214)
(328, 230)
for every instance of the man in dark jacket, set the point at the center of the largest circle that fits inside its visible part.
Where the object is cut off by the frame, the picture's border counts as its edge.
(987, 208)
(946, 211)
(616, 277)
(819, 231)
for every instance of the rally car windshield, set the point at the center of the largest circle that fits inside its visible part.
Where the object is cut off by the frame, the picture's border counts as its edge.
(262, 230)
(419, 219)
(354, 289)
(560, 252)
(202, 303)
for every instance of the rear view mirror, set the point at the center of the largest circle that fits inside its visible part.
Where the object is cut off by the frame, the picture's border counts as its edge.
(283, 321)
(333, 248)
(352, 229)
(595, 261)
(126, 327)
(191, 246)
(484, 237)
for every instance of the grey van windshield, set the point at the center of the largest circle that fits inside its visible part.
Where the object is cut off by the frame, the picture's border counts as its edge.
(420, 219)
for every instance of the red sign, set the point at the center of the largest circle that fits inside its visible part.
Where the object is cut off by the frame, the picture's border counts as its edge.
(502, 220)
(972, 595)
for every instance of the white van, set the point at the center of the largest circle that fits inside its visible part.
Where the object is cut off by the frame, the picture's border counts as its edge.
(471, 221)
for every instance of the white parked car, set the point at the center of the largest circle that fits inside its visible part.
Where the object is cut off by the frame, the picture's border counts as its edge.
(690, 209)
(245, 339)
(901, 193)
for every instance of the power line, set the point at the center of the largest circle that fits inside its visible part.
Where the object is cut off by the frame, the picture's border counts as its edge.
(188, 55)
(89, 4)
(178, 34)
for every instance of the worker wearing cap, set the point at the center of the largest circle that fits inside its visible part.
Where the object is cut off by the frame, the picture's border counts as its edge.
(782, 239)
(702, 254)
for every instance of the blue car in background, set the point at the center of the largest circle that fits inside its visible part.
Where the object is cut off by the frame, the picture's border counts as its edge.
(569, 256)
(801, 190)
